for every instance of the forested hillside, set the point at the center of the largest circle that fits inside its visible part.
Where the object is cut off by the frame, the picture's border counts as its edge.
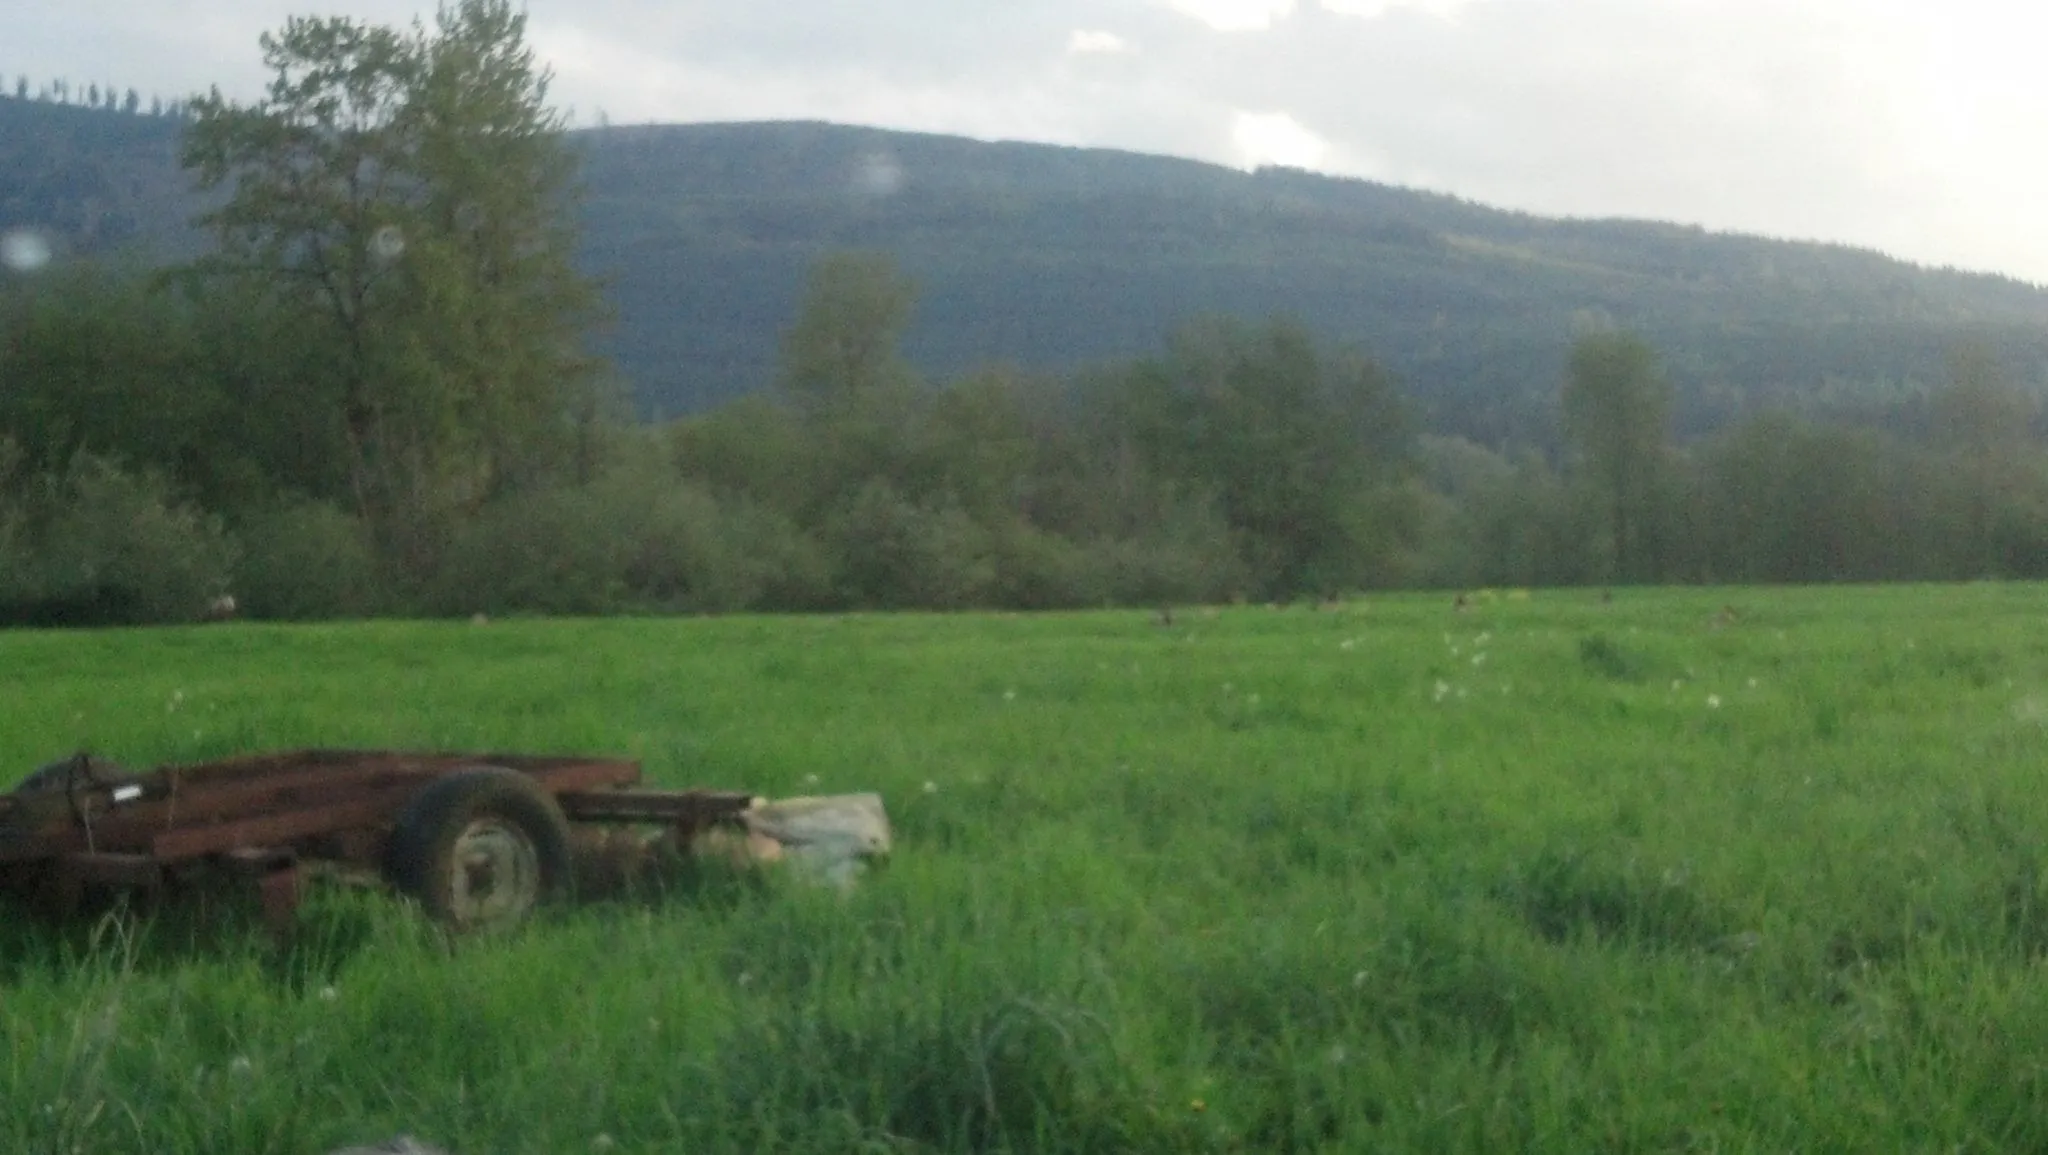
(1052, 258)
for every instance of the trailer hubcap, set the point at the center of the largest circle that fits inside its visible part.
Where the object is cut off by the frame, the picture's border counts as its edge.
(496, 875)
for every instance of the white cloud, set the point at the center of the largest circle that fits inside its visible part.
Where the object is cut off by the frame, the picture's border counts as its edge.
(1093, 41)
(1234, 15)
(1374, 9)
(1275, 138)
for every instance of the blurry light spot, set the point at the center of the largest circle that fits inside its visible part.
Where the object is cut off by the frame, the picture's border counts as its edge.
(879, 175)
(387, 243)
(24, 250)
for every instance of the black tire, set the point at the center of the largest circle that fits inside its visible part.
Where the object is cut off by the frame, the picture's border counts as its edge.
(480, 849)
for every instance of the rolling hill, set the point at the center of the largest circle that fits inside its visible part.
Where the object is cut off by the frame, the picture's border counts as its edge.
(1052, 258)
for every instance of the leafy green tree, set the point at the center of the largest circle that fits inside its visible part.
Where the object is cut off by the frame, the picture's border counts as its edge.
(1302, 452)
(1983, 428)
(408, 196)
(1617, 411)
(845, 339)
(1785, 500)
(859, 400)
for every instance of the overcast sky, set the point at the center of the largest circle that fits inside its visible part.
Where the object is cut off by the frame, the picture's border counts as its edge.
(1913, 126)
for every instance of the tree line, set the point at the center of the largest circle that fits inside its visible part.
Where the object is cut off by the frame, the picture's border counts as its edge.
(93, 94)
(373, 397)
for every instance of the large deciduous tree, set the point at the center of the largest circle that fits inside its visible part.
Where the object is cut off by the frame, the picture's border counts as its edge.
(1303, 453)
(408, 194)
(1617, 409)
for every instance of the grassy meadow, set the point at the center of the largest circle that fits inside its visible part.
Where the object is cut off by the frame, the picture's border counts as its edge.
(1544, 875)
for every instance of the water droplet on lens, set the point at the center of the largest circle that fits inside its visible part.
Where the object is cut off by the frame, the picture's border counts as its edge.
(24, 250)
(879, 175)
(387, 243)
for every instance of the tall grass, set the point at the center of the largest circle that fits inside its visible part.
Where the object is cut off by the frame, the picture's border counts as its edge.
(1547, 875)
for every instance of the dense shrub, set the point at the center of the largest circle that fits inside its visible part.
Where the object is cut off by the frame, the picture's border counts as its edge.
(637, 537)
(98, 545)
(894, 554)
(545, 551)
(304, 561)
(1035, 570)
(1187, 557)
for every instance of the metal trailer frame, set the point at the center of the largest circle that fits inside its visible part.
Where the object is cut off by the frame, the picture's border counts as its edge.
(481, 839)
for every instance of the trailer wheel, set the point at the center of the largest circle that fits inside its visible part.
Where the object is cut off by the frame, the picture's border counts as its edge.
(480, 849)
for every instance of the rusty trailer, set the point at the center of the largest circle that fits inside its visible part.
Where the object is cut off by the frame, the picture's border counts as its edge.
(480, 840)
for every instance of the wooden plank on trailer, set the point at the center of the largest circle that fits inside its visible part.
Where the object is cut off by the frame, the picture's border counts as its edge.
(653, 805)
(182, 842)
(114, 869)
(272, 826)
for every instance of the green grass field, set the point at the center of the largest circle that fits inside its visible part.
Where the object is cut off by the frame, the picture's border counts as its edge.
(1548, 875)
